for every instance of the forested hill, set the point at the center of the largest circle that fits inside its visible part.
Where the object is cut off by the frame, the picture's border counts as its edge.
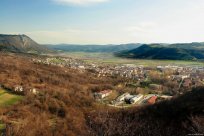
(166, 52)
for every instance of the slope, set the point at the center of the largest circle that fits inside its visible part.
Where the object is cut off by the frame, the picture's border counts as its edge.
(162, 52)
(21, 44)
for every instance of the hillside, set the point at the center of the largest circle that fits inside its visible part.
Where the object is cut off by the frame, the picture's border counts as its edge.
(165, 52)
(65, 105)
(177, 117)
(60, 108)
(20, 43)
(194, 45)
(92, 48)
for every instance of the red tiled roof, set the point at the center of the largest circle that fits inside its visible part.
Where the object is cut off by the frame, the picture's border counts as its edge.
(152, 100)
(105, 91)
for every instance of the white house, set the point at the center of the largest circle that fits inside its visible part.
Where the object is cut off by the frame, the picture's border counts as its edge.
(103, 94)
(123, 96)
(34, 91)
(18, 89)
(136, 98)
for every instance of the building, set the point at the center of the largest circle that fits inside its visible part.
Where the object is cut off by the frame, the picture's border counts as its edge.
(103, 94)
(127, 98)
(18, 89)
(34, 91)
(123, 96)
(166, 96)
(152, 100)
(136, 98)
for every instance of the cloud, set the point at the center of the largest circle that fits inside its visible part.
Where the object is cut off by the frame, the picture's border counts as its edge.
(79, 2)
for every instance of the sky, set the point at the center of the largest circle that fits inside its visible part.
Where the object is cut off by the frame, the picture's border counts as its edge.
(104, 21)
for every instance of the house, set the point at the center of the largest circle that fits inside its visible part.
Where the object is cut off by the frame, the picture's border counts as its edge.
(152, 100)
(103, 94)
(127, 98)
(18, 89)
(166, 96)
(179, 77)
(123, 96)
(81, 67)
(136, 98)
(34, 91)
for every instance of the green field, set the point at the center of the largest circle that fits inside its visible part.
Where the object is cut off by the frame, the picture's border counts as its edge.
(2, 127)
(109, 58)
(7, 99)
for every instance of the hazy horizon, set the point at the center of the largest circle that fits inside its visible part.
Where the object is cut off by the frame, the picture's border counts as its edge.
(104, 21)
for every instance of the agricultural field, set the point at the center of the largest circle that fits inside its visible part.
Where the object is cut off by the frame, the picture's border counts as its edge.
(7, 99)
(109, 58)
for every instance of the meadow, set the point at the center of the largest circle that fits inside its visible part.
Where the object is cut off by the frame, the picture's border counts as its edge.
(7, 98)
(109, 58)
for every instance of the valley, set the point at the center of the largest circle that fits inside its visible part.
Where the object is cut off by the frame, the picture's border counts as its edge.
(110, 58)
(89, 93)
(101, 68)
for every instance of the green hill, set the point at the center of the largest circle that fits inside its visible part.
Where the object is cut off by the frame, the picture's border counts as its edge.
(164, 52)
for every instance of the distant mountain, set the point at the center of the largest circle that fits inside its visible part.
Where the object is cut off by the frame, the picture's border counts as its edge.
(194, 45)
(191, 51)
(20, 44)
(92, 48)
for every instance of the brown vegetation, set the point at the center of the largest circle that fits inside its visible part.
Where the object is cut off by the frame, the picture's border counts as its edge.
(59, 108)
(179, 117)
(65, 105)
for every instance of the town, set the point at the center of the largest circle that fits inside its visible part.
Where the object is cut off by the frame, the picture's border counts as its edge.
(142, 84)
(127, 100)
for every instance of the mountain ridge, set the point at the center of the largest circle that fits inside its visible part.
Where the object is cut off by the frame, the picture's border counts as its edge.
(93, 48)
(20, 44)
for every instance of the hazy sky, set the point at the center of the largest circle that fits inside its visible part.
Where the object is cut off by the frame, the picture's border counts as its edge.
(104, 21)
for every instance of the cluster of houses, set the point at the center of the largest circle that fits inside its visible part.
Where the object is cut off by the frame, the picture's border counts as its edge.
(138, 99)
(129, 71)
(186, 76)
(101, 70)
(20, 89)
(127, 98)
(62, 62)
(125, 71)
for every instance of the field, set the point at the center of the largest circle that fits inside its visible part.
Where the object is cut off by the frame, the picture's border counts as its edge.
(109, 58)
(7, 99)
(2, 126)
